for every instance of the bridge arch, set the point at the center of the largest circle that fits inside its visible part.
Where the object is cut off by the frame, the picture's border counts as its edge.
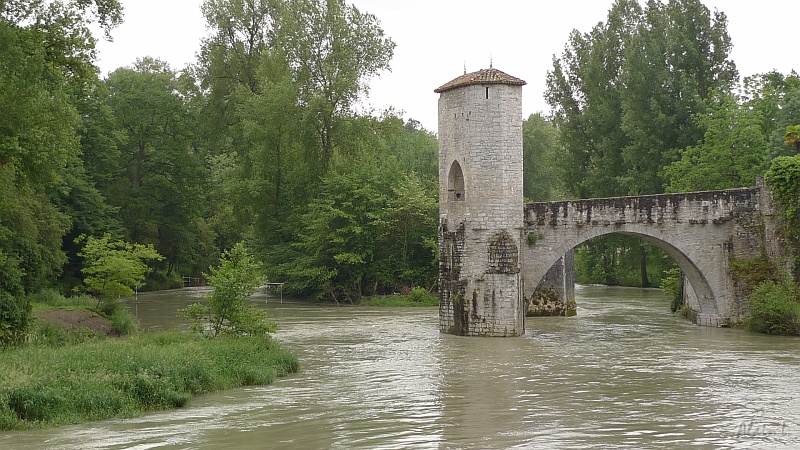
(693, 262)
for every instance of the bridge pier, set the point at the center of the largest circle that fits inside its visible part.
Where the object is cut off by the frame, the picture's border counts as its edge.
(480, 205)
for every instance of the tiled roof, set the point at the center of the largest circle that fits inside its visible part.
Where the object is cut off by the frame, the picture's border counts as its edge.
(483, 76)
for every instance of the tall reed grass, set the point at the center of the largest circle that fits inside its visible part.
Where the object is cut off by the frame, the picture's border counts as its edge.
(100, 379)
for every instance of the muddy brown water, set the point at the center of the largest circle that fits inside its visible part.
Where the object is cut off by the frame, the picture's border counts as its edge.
(623, 373)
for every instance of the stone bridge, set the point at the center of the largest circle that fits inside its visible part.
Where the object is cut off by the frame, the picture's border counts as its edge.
(700, 231)
(499, 258)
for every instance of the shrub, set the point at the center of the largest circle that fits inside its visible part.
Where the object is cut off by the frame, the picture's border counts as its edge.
(226, 310)
(123, 321)
(15, 319)
(774, 309)
(421, 296)
(783, 179)
(417, 297)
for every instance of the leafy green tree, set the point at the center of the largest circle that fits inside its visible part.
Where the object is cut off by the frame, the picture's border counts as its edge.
(114, 268)
(403, 146)
(162, 193)
(732, 153)
(47, 63)
(279, 81)
(777, 98)
(333, 50)
(584, 91)
(675, 61)
(338, 237)
(226, 310)
(271, 170)
(623, 97)
(407, 227)
(540, 147)
(371, 226)
(624, 94)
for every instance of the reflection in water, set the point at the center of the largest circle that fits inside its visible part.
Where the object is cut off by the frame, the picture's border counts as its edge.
(624, 373)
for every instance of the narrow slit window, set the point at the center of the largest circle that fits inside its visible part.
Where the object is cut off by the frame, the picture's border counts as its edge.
(487, 92)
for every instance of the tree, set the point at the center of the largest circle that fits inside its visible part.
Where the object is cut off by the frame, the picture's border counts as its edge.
(407, 227)
(732, 153)
(114, 268)
(279, 81)
(624, 96)
(792, 137)
(777, 98)
(47, 62)
(540, 146)
(226, 310)
(338, 237)
(161, 195)
(675, 61)
(333, 49)
(584, 91)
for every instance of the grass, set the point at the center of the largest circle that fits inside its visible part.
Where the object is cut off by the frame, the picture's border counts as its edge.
(417, 297)
(42, 333)
(111, 378)
(51, 298)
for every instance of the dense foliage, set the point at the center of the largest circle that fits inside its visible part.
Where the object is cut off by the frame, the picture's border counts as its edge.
(774, 309)
(260, 141)
(784, 182)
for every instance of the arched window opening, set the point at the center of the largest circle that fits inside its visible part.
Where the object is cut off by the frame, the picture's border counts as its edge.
(455, 183)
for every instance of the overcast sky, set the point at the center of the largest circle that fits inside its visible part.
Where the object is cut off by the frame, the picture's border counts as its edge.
(436, 38)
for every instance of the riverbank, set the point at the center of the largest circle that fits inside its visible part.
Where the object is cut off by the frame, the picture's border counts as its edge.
(417, 297)
(124, 377)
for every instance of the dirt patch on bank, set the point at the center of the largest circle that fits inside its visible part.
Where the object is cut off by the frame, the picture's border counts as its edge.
(79, 318)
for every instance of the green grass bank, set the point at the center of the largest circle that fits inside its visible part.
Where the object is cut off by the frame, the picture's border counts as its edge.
(114, 378)
(417, 297)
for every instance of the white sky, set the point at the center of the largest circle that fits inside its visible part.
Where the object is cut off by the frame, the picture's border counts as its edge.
(436, 38)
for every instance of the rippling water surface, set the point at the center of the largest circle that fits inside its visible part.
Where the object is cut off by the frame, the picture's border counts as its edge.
(624, 373)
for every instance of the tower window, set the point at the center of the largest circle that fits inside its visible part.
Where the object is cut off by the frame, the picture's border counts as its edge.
(455, 183)
(487, 92)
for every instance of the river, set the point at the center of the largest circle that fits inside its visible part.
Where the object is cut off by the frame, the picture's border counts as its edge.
(624, 373)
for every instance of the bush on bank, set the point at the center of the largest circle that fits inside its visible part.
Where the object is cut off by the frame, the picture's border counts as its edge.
(101, 379)
(417, 297)
(774, 309)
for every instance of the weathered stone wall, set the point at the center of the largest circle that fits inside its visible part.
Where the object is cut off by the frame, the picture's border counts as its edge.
(480, 196)
(555, 293)
(701, 231)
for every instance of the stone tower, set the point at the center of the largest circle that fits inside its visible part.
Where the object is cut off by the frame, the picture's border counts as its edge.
(480, 205)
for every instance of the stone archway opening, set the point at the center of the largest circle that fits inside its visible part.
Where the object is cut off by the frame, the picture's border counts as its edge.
(455, 183)
(698, 281)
